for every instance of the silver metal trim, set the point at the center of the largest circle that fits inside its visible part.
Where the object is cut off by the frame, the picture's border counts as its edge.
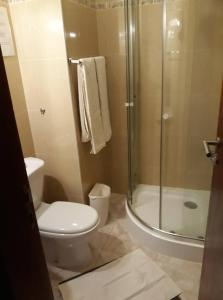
(207, 145)
(162, 112)
(129, 104)
(131, 85)
(74, 61)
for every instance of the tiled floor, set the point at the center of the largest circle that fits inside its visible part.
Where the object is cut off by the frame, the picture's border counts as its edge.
(113, 241)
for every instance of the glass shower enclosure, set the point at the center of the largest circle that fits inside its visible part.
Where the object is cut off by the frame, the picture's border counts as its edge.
(174, 70)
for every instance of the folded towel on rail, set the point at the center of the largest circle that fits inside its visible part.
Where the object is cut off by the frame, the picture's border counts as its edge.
(93, 102)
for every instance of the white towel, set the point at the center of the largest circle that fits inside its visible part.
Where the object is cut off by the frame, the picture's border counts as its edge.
(89, 104)
(93, 103)
(85, 133)
(103, 94)
(133, 276)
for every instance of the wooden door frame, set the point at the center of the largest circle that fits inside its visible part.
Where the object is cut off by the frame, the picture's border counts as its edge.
(22, 262)
(211, 286)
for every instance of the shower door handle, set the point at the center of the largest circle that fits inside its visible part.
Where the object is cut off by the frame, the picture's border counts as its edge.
(212, 155)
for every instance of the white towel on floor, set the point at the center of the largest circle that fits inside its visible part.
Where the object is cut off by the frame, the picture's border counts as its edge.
(93, 103)
(134, 276)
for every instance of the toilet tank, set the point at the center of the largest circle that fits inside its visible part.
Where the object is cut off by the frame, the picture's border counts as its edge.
(34, 170)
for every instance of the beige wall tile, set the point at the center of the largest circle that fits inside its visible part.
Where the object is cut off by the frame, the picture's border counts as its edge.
(150, 97)
(18, 98)
(44, 69)
(111, 31)
(82, 22)
(192, 82)
(191, 92)
(111, 38)
(23, 125)
(19, 105)
(101, 33)
(42, 36)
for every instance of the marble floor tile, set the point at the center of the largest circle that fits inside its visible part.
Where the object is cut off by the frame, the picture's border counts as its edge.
(113, 241)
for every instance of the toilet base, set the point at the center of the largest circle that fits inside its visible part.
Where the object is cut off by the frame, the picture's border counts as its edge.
(67, 254)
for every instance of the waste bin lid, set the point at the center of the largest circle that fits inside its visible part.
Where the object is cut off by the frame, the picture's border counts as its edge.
(100, 190)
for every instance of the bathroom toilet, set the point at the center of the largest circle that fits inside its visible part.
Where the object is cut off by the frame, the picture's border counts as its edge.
(66, 228)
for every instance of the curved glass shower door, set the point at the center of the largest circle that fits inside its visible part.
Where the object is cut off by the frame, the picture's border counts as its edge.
(174, 77)
(144, 44)
(192, 78)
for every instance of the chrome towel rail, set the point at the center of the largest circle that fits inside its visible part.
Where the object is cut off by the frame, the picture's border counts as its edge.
(74, 61)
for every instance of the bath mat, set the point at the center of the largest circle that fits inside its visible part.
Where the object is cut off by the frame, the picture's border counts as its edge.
(133, 276)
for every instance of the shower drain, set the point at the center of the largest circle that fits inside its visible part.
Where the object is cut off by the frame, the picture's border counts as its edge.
(190, 204)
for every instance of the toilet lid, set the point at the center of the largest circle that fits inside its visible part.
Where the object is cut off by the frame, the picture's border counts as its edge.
(68, 217)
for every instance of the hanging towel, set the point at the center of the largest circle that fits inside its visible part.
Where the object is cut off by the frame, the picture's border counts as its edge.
(85, 133)
(93, 103)
(103, 94)
(89, 105)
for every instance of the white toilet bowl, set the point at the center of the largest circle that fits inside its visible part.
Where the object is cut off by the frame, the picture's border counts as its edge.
(66, 228)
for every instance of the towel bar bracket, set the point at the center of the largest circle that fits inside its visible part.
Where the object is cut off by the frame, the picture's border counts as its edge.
(74, 61)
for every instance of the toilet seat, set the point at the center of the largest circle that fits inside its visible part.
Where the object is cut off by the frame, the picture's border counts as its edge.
(67, 218)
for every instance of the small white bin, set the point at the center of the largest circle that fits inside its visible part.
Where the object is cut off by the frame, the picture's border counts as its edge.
(99, 199)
